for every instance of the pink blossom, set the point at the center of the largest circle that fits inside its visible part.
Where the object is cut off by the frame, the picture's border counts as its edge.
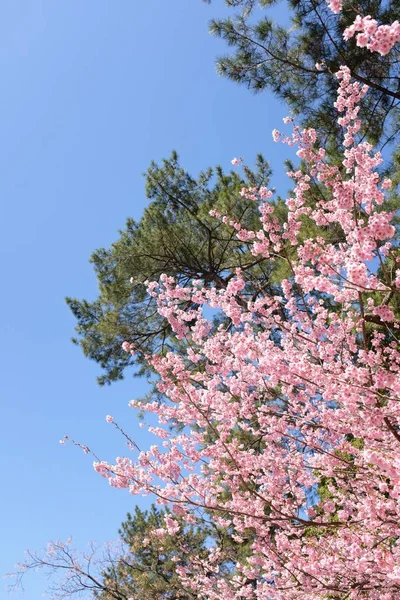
(386, 184)
(300, 390)
(276, 136)
(335, 5)
(160, 532)
(376, 38)
(171, 524)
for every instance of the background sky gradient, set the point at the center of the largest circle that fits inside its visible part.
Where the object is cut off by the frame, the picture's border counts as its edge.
(92, 91)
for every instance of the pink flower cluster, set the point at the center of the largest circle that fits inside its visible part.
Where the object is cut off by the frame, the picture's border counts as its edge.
(130, 348)
(377, 38)
(348, 99)
(335, 5)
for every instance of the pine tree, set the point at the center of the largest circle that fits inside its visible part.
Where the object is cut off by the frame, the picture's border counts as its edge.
(178, 237)
(147, 571)
(297, 61)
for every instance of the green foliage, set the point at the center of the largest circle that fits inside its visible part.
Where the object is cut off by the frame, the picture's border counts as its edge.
(176, 236)
(147, 571)
(282, 58)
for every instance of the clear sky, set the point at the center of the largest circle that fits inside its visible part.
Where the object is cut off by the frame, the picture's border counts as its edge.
(91, 92)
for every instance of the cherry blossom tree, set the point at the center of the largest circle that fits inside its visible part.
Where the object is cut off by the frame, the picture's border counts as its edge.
(286, 420)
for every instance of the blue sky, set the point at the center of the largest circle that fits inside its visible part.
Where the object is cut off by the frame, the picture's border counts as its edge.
(91, 92)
